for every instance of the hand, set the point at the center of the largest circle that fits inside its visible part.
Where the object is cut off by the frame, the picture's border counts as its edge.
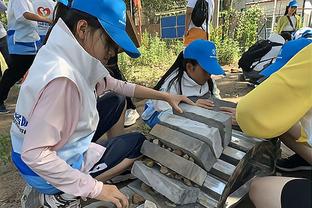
(205, 103)
(231, 112)
(110, 193)
(175, 100)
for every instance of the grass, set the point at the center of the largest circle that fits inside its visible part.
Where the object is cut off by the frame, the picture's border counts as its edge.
(5, 149)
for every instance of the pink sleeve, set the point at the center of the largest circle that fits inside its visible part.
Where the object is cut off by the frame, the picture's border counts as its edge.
(118, 86)
(53, 120)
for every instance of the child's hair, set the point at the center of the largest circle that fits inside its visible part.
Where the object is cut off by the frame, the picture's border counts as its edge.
(180, 66)
(71, 18)
(286, 11)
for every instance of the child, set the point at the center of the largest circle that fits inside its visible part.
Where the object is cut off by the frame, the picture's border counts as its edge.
(190, 75)
(23, 43)
(56, 116)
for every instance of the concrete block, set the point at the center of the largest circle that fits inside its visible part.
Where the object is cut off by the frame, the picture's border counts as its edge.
(213, 187)
(206, 200)
(215, 119)
(195, 148)
(172, 189)
(174, 162)
(201, 131)
(222, 169)
(232, 155)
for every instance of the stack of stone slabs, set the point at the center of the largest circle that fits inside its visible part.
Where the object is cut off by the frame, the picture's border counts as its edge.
(218, 157)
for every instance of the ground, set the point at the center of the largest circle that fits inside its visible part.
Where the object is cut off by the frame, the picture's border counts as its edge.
(11, 184)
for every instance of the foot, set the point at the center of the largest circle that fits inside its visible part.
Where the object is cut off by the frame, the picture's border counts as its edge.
(3, 109)
(32, 198)
(293, 163)
(131, 116)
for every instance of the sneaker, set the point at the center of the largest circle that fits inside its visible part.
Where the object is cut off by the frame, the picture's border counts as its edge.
(293, 163)
(3, 109)
(131, 116)
(32, 198)
(59, 201)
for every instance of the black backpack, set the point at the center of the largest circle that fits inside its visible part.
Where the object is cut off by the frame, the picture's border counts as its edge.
(255, 53)
(200, 13)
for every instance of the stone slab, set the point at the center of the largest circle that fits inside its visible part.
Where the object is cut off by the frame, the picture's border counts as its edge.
(178, 164)
(222, 169)
(172, 189)
(232, 155)
(201, 131)
(213, 187)
(215, 119)
(241, 144)
(195, 148)
(207, 201)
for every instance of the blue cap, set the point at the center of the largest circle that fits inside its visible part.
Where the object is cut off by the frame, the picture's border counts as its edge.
(112, 16)
(205, 53)
(64, 2)
(289, 50)
(293, 3)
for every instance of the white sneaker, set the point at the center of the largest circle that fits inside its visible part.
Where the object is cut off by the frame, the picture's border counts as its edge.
(31, 198)
(131, 116)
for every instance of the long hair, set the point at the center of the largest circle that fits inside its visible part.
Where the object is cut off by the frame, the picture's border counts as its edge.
(286, 11)
(180, 66)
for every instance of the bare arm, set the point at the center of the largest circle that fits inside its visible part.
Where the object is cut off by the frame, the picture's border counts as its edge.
(35, 17)
(188, 15)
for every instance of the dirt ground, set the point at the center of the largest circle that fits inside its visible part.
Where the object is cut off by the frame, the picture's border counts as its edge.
(11, 184)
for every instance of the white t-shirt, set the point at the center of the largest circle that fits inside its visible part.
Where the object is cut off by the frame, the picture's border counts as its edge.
(288, 27)
(25, 30)
(191, 4)
(44, 8)
(3, 8)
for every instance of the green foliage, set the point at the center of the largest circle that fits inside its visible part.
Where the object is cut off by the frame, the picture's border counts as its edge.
(247, 27)
(237, 32)
(157, 56)
(5, 149)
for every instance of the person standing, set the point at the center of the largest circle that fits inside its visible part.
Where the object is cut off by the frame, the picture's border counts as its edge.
(290, 22)
(43, 8)
(3, 38)
(193, 32)
(23, 42)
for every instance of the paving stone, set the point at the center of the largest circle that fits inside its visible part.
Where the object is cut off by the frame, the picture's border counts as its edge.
(213, 187)
(212, 118)
(172, 189)
(222, 169)
(201, 131)
(241, 144)
(196, 148)
(206, 200)
(157, 198)
(174, 162)
(232, 155)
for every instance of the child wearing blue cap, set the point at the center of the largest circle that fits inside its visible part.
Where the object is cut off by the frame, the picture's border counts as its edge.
(281, 107)
(190, 75)
(288, 24)
(56, 116)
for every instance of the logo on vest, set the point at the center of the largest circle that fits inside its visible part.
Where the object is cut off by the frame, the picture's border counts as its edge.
(21, 122)
(44, 12)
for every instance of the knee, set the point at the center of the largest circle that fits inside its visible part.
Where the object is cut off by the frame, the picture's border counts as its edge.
(254, 189)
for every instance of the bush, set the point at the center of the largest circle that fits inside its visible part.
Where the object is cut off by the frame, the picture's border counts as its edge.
(157, 56)
(228, 50)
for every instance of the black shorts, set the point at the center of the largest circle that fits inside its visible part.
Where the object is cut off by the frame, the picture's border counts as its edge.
(297, 193)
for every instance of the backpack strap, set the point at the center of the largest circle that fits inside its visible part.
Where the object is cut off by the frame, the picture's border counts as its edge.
(210, 85)
(291, 23)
